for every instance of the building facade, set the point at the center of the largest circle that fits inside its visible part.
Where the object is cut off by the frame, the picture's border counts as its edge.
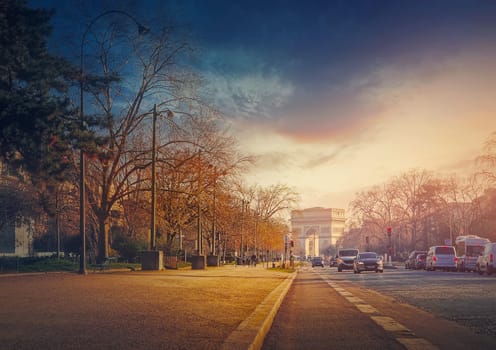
(16, 237)
(16, 231)
(315, 231)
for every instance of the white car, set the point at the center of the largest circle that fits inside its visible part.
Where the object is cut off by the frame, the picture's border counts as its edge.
(487, 261)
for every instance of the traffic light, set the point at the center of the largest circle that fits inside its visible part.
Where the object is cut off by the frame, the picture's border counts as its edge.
(389, 231)
(292, 243)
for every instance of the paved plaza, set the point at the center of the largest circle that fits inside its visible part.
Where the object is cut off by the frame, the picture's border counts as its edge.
(225, 307)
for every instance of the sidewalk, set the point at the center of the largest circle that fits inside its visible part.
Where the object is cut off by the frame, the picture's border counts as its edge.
(229, 307)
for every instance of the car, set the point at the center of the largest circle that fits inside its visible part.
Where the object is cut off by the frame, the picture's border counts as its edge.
(410, 261)
(317, 261)
(420, 262)
(486, 262)
(441, 257)
(368, 261)
(345, 258)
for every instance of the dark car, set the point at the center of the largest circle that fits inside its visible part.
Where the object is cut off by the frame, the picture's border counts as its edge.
(410, 261)
(368, 261)
(345, 258)
(420, 261)
(317, 261)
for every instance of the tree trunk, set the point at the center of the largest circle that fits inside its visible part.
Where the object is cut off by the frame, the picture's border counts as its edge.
(102, 240)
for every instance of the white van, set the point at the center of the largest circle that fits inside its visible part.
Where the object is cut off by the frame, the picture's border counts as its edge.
(487, 261)
(468, 248)
(441, 257)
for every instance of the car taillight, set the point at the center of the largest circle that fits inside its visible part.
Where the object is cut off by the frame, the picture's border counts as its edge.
(434, 258)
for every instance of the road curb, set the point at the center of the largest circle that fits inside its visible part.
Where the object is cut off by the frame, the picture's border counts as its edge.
(251, 333)
(23, 274)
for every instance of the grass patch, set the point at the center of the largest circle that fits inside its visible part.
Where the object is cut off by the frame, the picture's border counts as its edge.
(183, 264)
(117, 265)
(280, 269)
(48, 265)
(52, 264)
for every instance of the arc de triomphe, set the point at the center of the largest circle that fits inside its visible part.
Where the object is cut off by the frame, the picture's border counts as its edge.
(315, 231)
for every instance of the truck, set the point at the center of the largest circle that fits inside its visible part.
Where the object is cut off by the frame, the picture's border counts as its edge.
(468, 249)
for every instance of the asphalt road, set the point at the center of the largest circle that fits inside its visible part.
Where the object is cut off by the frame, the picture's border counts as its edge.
(467, 298)
(315, 316)
(325, 309)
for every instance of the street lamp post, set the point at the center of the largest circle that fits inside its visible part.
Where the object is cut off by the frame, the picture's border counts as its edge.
(153, 221)
(82, 186)
(200, 238)
(154, 185)
(214, 235)
(198, 261)
(243, 204)
(152, 259)
(213, 258)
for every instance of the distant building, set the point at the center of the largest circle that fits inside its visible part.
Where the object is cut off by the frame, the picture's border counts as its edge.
(16, 237)
(16, 231)
(315, 231)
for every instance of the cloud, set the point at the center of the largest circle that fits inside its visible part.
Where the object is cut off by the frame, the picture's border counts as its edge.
(324, 158)
(242, 86)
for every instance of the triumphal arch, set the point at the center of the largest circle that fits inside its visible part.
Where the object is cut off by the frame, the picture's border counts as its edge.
(315, 231)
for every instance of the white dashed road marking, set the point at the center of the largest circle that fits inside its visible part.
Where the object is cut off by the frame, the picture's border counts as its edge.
(405, 336)
(416, 344)
(389, 324)
(355, 300)
(367, 309)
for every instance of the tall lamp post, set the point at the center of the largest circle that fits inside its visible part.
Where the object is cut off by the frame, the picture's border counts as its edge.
(154, 182)
(198, 261)
(82, 186)
(153, 221)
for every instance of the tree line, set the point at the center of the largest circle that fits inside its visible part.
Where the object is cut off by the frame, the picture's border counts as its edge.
(422, 208)
(126, 78)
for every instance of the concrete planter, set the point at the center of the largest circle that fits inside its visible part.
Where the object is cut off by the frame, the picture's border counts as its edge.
(212, 260)
(152, 260)
(198, 262)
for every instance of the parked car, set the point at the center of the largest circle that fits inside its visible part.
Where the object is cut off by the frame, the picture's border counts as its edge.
(410, 261)
(487, 261)
(368, 261)
(345, 258)
(441, 257)
(420, 262)
(317, 261)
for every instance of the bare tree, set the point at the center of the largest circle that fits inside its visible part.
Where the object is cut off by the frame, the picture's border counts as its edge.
(486, 162)
(375, 210)
(123, 104)
(274, 200)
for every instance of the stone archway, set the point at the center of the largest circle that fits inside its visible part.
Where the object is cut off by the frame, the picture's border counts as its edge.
(312, 240)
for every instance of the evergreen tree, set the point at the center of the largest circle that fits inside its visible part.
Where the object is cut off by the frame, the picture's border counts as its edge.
(35, 115)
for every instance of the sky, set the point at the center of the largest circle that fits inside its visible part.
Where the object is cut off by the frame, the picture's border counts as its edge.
(334, 97)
